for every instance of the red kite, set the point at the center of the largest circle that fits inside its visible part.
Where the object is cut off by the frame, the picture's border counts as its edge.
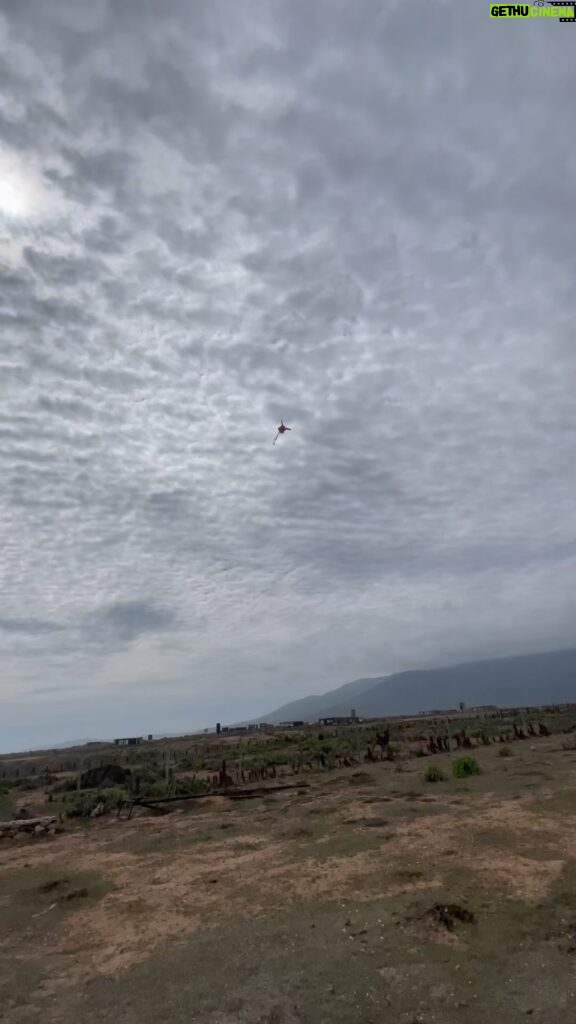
(281, 430)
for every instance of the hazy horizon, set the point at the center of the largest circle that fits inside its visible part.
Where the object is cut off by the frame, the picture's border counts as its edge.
(213, 216)
(197, 728)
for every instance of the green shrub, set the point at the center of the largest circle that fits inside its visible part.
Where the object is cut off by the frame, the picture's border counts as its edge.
(188, 787)
(81, 804)
(276, 757)
(112, 798)
(464, 767)
(192, 764)
(148, 776)
(157, 789)
(434, 773)
(505, 752)
(329, 745)
(66, 786)
(175, 787)
(26, 785)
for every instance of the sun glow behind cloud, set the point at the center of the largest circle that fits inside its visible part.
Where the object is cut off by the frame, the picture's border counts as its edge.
(23, 195)
(13, 200)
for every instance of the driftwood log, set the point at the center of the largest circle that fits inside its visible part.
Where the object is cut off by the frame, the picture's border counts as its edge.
(157, 804)
(36, 826)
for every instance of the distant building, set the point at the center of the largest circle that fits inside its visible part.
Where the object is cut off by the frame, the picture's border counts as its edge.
(438, 713)
(337, 720)
(218, 728)
(484, 709)
(129, 741)
(290, 725)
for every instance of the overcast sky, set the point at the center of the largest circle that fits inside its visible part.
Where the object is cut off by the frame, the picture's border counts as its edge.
(355, 216)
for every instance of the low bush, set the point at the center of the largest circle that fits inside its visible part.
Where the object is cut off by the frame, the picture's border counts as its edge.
(188, 787)
(66, 786)
(272, 757)
(464, 767)
(112, 798)
(192, 764)
(175, 787)
(25, 785)
(434, 773)
(330, 745)
(81, 804)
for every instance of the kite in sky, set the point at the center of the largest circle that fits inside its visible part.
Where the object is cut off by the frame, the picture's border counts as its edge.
(281, 430)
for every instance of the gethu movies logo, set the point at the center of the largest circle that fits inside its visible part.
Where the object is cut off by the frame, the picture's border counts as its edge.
(540, 9)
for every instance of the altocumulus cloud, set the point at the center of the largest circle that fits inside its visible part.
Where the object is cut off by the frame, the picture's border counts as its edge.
(127, 620)
(358, 217)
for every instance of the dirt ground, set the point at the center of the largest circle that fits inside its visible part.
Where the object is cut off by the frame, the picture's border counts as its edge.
(369, 896)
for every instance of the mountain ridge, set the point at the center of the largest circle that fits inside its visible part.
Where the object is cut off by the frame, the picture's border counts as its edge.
(523, 679)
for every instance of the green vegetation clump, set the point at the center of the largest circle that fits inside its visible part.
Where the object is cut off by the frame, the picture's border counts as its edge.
(81, 804)
(66, 786)
(329, 745)
(434, 773)
(112, 798)
(24, 785)
(189, 787)
(192, 764)
(260, 748)
(323, 752)
(258, 760)
(175, 787)
(464, 767)
(505, 752)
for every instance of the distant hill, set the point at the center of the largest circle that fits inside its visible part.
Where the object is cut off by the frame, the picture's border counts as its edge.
(69, 744)
(531, 679)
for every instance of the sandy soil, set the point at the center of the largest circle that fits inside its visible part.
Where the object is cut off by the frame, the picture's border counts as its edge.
(345, 874)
